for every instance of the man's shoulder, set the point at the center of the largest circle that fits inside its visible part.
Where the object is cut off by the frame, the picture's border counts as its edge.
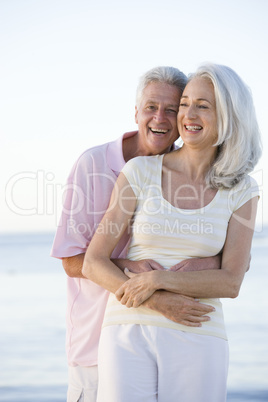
(97, 154)
(96, 151)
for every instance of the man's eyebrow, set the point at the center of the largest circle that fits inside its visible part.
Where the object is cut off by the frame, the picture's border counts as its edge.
(156, 103)
(176, 106)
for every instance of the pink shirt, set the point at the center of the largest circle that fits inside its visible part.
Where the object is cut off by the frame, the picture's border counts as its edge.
(87, 196)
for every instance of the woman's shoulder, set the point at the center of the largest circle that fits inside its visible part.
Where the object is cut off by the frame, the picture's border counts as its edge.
(246, 189)
(247, 183)
(142, 169)
(144, 164)
(145, 160)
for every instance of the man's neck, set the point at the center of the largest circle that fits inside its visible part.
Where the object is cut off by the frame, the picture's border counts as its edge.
(132, 148)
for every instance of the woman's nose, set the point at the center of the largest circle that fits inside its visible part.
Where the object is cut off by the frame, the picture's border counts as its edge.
(191, 112)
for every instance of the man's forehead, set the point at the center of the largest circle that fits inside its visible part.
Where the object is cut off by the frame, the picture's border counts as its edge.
(161, 93)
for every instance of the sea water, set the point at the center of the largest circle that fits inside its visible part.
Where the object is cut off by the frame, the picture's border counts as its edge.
(32, 323)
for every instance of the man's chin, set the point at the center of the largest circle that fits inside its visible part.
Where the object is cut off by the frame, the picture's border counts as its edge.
(159, 150)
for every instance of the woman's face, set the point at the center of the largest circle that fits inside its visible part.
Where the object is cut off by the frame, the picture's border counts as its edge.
(197, 119)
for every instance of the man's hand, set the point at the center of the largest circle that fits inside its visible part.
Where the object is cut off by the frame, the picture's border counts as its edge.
(180, 309)
(138, 267)
(198, 264)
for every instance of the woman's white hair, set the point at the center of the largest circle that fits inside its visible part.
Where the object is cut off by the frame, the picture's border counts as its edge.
(163, 74)
(239, 139)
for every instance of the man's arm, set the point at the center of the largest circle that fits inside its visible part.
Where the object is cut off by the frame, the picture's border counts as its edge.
(73, 265)
(224, 282)
(198, 264)
(178, 308)
(181, 309)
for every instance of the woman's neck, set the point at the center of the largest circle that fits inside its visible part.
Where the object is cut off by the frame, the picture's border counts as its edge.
(194, 163)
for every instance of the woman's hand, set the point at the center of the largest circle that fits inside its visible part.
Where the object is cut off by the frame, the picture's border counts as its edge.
(137, 289)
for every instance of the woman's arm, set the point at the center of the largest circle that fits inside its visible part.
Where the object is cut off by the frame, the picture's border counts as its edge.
(97, 265)
(224, 282)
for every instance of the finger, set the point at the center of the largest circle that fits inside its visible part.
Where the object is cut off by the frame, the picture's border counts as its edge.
(124, 299)
(193, 321)
(200, 313)
(205, 308)
(128, 273)
(201, 307)
(178, 266)
(119, 293)
(196, 319)
(156, 266)
(191, 324)
(129, 303)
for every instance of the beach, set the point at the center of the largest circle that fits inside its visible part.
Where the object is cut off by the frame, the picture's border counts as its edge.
(32, 314)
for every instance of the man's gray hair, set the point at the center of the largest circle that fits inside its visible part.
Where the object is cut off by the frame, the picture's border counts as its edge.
(162, 74)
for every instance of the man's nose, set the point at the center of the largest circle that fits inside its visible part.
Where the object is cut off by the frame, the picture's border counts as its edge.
(160, 115)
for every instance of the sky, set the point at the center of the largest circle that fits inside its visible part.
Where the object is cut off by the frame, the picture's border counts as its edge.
(68, 76)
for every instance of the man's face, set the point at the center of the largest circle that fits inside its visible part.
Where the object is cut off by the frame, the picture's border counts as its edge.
(156, 116)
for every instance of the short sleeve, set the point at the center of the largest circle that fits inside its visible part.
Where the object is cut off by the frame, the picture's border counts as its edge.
(87, 196)
(243, 192)
(74, 229)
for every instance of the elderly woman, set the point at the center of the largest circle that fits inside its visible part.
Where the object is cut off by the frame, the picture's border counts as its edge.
(194, 202)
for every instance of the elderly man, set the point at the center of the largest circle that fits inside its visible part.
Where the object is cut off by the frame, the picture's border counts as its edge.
(89, 188)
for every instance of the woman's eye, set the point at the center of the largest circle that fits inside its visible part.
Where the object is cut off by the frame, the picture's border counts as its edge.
(183, 105)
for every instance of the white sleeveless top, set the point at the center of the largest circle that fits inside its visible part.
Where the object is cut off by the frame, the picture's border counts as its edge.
(169, 235)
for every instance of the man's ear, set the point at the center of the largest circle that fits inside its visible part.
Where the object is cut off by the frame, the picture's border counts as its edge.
(136, 114)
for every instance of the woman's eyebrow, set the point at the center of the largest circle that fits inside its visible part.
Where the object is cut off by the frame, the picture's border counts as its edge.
(198, 99)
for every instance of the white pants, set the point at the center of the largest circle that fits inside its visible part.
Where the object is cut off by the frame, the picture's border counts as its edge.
(83, 384)
(140, 363)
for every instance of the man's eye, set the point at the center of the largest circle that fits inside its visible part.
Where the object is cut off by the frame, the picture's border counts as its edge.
(172, 111)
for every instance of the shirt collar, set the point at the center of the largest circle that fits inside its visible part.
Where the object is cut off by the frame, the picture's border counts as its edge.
(115, 157)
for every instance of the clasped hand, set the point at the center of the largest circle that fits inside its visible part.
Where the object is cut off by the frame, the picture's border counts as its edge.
(143, 281)
(146, 277)
(137, 289)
